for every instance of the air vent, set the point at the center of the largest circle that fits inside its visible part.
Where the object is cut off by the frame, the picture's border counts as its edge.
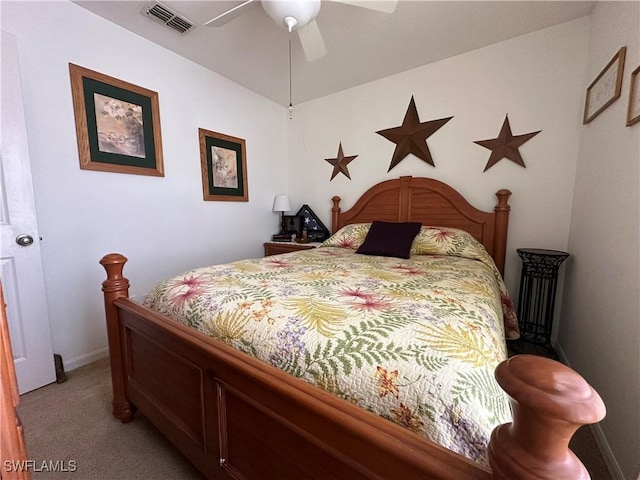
(163, 14)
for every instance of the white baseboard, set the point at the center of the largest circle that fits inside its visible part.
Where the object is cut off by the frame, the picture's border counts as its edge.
(82, 360)
(596, 430)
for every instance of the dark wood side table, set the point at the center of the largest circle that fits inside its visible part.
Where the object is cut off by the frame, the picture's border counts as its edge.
(275, 248)
(536, 302)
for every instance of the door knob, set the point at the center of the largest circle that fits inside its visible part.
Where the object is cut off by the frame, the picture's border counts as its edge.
(24, 240)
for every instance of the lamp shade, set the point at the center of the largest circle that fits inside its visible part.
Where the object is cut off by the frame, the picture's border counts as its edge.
(282, 203)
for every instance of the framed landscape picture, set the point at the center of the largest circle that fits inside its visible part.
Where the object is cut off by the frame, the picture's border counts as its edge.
(117, 124)
(224, 167)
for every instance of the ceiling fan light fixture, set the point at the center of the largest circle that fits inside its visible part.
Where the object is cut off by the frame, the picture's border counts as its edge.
(300, 11)
(290, 23)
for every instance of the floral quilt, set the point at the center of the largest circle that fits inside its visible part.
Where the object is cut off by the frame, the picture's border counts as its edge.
(415, 341)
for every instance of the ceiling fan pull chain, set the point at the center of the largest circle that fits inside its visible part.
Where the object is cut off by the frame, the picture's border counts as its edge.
(290, 102)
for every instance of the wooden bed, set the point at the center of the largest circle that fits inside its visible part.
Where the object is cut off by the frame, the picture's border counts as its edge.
(235, 416)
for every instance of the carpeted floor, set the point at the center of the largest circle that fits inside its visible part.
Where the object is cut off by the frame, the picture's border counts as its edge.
(72, 421)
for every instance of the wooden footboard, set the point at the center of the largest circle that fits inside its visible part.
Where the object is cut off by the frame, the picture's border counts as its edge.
(234, 416)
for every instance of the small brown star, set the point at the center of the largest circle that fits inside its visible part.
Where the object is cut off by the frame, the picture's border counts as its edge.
(506, 145)
(340, 163)
(411, 136)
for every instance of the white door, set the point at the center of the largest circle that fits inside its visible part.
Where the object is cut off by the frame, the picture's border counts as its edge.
(20, 261)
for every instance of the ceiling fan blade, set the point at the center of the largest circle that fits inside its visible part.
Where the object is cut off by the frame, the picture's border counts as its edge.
(384, 6)
(232, 14)
(312, 42)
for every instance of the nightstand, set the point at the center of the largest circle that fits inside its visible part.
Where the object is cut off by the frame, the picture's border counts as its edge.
(276, 248)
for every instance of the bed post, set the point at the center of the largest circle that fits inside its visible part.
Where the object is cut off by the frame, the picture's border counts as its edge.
(550, 402)
(335, 212)
(501, 227)
(114, 287)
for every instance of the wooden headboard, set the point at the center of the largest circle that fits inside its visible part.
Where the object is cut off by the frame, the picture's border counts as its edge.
(433, 203)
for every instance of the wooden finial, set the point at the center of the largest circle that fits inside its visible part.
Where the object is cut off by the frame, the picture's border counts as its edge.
(113, 263)
(335, 211)
(550, 402)
(503, 199)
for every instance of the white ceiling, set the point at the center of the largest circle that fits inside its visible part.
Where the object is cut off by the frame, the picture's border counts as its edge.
(363, 45)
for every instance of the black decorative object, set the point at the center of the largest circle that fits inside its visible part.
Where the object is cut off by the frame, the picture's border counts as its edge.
(293, 224)
(316, 231)
(281, 237)
(536, 302)
(61, 376)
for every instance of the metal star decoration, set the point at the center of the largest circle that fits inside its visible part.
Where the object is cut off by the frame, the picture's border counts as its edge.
(340, 163)
(411, 136)
(506, 145)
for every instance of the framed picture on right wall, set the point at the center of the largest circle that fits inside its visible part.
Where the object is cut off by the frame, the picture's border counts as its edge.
(633, 113)
(605, 89)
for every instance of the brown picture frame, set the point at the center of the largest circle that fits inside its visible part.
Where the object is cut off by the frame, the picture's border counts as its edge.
(633, 110)
(117, 124)
(223, 162)
(606, 88)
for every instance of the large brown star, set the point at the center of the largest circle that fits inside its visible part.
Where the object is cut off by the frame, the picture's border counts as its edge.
(340, 163)
(411, 136)
(506, 145)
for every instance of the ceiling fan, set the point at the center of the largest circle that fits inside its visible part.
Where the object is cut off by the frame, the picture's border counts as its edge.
(299, 16)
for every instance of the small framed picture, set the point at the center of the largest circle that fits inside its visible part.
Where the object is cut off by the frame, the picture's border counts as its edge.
(223, 161)
(293, 225)
(605, 89)
(117, 124)
(633, 112)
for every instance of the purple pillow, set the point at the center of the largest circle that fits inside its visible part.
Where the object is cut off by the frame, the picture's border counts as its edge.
(390, 239)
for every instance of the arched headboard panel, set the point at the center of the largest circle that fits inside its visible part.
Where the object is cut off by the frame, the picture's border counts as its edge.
(433, 203)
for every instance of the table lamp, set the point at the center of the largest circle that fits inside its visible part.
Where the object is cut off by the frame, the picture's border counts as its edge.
(282, 204)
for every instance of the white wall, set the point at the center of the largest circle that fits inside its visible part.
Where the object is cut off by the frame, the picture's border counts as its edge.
(161, 224)
(600, 330)
(536, 79)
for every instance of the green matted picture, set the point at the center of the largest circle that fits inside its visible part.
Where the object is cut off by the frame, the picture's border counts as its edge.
(224, 167)
(117, 124)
